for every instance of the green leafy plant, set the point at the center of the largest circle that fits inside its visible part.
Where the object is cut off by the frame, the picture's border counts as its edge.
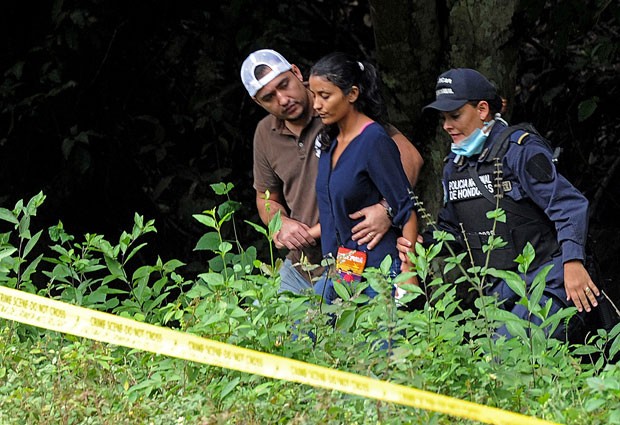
(445, 347)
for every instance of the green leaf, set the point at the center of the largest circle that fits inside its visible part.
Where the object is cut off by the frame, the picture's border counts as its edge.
(172, 265)
(32, 267)
(35, 202)
(526, 258)
(341, 290)
(142, 272)
(57, 233)
(346, 320)
(614, 417)
(615, 331)
(96, 297)
(443, 236)
(585, 350)
(587, 108)
(228, 207)
(135, 251)
(159, 284)
(512, 279)
(259, 229)
(7, 215)
(206, 220)
(216, 264)
(229, 387)
(225, 218)
(498, 214)
(209, 242)
(594, 404)
(225, 247)
(539, 283)
(199, 290)
(448, 267)
(558, 317)
(386, 265)
(275, 223)
(7, 252)
(434, 250)
(157, 301)
(246, 259)
(238, 312)
(615, 347)
(212, 279)
(222, 188)
(24, 227)
(115, 268)
(494, 242)
(516, 329)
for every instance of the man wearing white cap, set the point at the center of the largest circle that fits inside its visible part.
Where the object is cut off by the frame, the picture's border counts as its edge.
(286, 161)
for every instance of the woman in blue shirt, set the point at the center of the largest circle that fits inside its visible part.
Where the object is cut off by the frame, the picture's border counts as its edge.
(359, 164)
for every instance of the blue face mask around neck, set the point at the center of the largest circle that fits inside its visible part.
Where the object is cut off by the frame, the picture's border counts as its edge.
(472, 144)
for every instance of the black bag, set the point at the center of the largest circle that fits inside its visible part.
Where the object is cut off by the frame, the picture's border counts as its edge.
(607, 314)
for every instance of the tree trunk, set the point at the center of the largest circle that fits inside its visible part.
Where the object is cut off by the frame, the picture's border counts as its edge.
(416, 41)
(481, 37)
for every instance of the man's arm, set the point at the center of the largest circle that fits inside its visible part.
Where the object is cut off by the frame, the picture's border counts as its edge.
(293, 234)
(376, 222)
(410, 157)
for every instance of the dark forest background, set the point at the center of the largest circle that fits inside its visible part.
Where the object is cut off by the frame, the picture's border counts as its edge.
(113, 107)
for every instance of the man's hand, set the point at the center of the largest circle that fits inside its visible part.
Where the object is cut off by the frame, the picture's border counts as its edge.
(579, 286)
(293, 235)
(374, 226)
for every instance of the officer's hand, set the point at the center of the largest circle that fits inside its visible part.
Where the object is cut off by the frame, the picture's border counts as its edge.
(403, 245)
(579, 286)
(293, 235)
(375, 225)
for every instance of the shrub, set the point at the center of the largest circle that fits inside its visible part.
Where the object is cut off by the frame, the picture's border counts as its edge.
(445, 346)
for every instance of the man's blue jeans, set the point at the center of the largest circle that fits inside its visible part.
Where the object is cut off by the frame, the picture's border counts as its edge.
(291, 280)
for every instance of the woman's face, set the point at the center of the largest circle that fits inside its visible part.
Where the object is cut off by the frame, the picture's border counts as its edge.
(330, 101)
(462, 122)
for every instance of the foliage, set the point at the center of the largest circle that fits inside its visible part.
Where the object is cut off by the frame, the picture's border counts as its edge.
(445, 346)
(139, 107)
(567, 85)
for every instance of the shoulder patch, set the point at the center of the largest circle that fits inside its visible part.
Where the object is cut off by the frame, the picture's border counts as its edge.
(540, 168)
(523, 136)
(519, 136)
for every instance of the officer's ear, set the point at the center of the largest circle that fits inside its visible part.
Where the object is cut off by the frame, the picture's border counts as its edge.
(484, 112)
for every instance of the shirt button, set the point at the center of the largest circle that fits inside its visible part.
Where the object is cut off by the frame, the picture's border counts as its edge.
(300, 144)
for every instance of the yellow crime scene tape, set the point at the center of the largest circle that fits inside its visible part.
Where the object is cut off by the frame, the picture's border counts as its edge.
(79, 321)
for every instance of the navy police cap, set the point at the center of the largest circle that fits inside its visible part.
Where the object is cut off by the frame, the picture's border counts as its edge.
(458, 86)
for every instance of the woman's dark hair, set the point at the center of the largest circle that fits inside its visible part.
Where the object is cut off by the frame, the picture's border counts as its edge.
(344, 71)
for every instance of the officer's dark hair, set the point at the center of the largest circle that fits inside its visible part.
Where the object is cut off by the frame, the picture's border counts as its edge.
(344, 71)
(495, 104)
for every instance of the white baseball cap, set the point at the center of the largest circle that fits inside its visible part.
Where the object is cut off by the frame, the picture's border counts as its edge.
(270, 58)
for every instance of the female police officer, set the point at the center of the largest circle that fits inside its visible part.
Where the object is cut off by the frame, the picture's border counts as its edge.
(541, 206)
